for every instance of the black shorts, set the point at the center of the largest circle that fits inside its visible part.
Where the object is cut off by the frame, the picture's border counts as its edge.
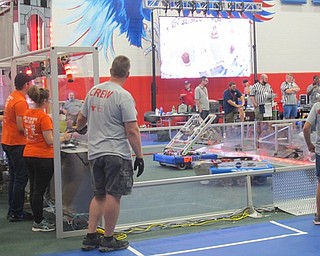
(111, 175)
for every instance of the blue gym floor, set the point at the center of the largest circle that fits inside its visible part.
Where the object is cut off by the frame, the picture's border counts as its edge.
(295, 236)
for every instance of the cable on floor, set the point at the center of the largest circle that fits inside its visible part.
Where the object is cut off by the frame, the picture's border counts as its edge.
(183, 224)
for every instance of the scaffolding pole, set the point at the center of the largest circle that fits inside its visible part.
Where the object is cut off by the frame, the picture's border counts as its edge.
(201, 5)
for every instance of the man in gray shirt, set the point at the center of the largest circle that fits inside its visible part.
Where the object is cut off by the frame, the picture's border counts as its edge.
(112, 128)
(313, 120)
(72, 108)
(289, 91)
(201, 97)
(313, 90)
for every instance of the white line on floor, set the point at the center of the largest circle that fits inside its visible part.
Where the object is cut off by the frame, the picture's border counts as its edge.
(134, 251)
(287, 227)
(237, 243)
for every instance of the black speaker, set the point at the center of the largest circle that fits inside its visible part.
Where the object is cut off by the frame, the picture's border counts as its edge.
(303, 99)
(214, 106)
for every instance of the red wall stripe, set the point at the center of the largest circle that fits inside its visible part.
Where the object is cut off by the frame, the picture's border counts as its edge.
(168, 90)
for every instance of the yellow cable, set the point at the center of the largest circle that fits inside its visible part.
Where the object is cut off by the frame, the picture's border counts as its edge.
(141, 229)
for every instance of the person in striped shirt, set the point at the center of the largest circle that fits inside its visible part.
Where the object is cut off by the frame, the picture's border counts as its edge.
(289, 91)
(261, 95)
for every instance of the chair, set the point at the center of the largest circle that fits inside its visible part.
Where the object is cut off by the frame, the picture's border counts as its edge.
(152, 120)
(182, 108)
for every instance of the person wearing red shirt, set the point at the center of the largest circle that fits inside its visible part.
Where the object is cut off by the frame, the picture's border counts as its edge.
(187, 95)
(13, 143)
(38, 153)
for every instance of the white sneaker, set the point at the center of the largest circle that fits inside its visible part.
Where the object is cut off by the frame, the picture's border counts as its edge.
(316, 220)
(43, 226)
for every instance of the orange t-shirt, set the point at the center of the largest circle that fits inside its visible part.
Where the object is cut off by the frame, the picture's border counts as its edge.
(16, 105)
(35, 121)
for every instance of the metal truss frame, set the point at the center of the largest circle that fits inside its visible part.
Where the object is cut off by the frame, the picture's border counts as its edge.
(203, 5)
(5, 6)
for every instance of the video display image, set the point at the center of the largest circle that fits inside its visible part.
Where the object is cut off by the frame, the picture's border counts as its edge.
(193, 47)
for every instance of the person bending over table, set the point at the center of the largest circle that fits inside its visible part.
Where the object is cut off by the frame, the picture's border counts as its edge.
(38, 154)
(231, 98)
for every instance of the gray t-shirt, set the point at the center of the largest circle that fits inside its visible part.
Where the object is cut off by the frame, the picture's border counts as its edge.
(247, 94)
(315, 94)
(201, 94)
(314, 119)
(107, 107)
(73, 106)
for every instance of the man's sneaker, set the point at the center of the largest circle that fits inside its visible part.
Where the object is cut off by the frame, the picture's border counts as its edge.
(90, 243)
(43, 226)
(20, 217)
(316, 220)
(114, 244)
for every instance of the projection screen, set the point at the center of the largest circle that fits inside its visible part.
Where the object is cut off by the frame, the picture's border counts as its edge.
(192, 47)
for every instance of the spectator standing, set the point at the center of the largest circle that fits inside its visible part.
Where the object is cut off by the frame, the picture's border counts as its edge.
(313, 120)
(13, 143)
(72, 108)
(289, 91)
(261, 95)
(187, 95)
(246, 92)
(233, 100)
(38, 154)
(202, 98)
(112, 127)
(247, 100)
(313, 91)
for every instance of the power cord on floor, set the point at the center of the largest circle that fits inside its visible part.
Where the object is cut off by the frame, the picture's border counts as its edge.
(183, 224)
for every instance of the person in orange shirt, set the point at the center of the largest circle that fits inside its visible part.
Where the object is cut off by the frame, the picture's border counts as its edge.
(13, 143)
(38, 153)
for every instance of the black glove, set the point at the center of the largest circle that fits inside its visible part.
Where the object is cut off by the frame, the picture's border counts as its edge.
(83, 130)
(139, 164)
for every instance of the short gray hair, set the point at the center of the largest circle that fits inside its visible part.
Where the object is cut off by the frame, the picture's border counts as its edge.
(120, 67)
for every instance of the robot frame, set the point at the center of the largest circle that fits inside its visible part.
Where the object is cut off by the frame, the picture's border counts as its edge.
(180, 151)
